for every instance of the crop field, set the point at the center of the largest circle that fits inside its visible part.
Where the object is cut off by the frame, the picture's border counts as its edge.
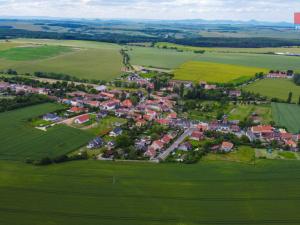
(19, 140)
(171, 59)
(275, 88)
(77, 58)
(28, 53)
(93, 192)
(215, 72)
(287, 115)
(229, 50)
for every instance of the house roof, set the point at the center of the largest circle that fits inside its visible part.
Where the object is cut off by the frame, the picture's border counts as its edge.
(76, 109)
(83, 118)
(227, 145)
(262, 129)
(127, 103)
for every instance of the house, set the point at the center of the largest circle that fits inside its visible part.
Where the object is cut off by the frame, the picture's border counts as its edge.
(51, 117)
(282, 75)
(186, 146)
(141, 123)
(158, 145)
(166, 139)
(101, 88)
(4, 86)
(262, 131)
(292, 144)
(127, 103)
(227, 146)
(116, 132)
(172, 116)
(235, 93)
(102, 114)
(197, 136)
(164, 122)
(76, 109)
(94, 104)
(111, 145)
(95, 143)
(107, 95)
(151, 153)
(110, 105)
(202, 127)
(82, 119)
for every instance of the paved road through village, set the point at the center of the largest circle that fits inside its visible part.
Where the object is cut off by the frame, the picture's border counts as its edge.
(175, 145)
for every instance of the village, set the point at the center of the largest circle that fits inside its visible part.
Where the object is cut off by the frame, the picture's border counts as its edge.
(141, 118)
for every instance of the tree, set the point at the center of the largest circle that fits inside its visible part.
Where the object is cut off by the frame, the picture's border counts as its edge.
(181, 90)
(289, 100)
(299, 101)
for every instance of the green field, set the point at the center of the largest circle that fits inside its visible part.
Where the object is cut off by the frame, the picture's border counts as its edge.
(77, 58)
(92, 192)
(243, 154)
(287, 115)
(215, 72)
(229, 50)
(28, 53)
(19, 140)
(167, 58)
(242, 112)
(275, 88)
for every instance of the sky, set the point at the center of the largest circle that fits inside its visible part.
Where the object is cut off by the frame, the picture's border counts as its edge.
(263, 10)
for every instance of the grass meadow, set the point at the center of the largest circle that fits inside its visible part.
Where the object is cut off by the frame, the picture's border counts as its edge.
(77, 58)
(287, 115)
(172, 59)
(215, 72)
(106, 193)
(275, 88)
(242, 112)
(19, 140)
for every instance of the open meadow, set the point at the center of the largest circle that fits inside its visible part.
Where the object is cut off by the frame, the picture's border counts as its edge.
(171, 59)
(215, 72)
(275, 88)
(244, 111)
(106, 193)
(86, 60)
(287, 115)
(19, 140)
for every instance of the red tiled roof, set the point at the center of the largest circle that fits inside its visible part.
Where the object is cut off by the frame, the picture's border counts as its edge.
(227, 145)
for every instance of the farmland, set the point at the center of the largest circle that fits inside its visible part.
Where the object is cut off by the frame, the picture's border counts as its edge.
(167, 58)
(91, 192)
(19, 140)
(228, 50)
(287, 115)
(76, 58)
(215, 72)
(32, 52)
(275, 88)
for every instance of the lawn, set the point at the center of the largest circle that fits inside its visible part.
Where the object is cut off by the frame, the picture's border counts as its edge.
(287, 115)
(171, 59)
(19, 140)
(215, 72)
(241, 112)
(275, 88)
(92, 192)
(106, 125)
(86, 60)
(244, 154)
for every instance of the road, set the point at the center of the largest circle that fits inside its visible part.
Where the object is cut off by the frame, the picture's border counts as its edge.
(175, 145)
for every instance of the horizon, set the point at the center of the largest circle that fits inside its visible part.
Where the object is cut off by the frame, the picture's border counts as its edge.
(232, 10)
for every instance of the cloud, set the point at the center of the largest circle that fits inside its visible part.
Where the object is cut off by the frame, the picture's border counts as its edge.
(270, 10)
